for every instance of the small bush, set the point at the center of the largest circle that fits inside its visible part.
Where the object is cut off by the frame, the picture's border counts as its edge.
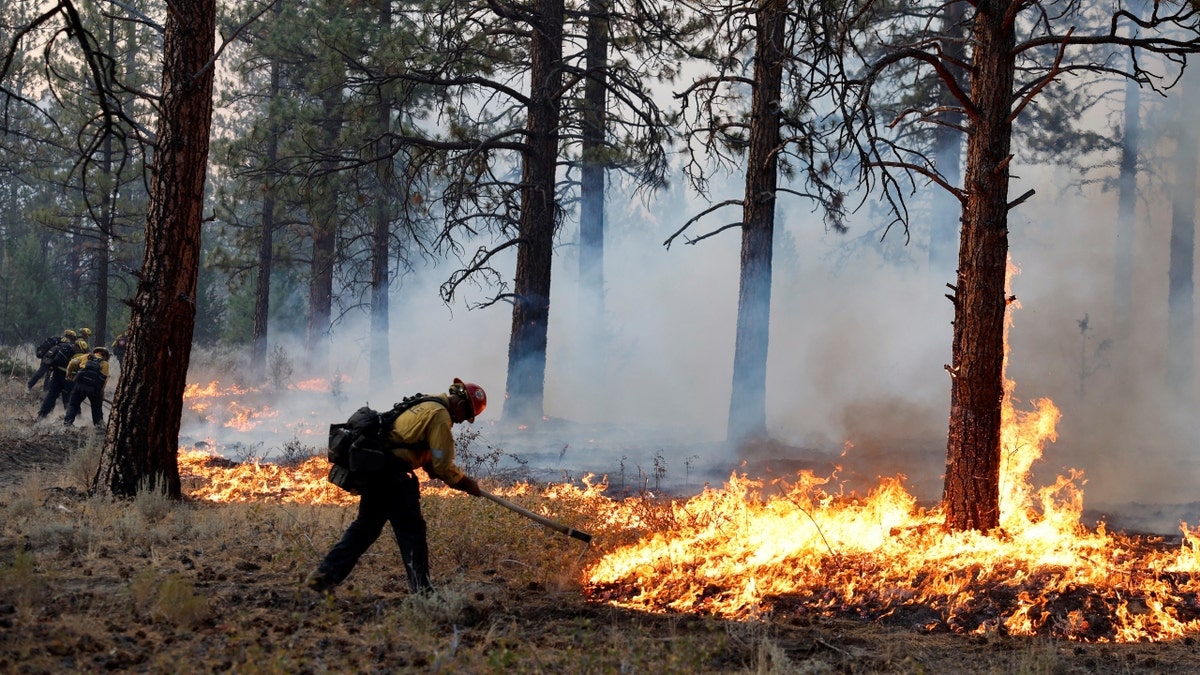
(280, 365)
(84, 462)
(179, 602)
(294, 453)
(152, 502)
(481, 459)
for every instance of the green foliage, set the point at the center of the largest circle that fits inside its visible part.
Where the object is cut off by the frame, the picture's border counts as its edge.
(211, 307)
(32, 302)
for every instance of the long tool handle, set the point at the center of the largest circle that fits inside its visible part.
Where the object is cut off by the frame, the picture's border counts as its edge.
(558, 527)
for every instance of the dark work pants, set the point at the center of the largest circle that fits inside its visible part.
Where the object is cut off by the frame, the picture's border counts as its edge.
(95, 398)
(59, 387)
(396, 500)
(43, 371)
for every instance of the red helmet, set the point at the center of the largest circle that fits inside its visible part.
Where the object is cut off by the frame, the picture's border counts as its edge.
(473, 393)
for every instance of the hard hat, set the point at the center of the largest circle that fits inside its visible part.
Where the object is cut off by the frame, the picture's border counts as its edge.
(81, 346)
(473, 393)
(102, 351)
(85, 332)
(70, 334)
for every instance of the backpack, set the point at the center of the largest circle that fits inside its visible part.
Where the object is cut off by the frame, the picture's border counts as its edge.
(62, 354)
(358, 447)
(91, 374)
(46, 346)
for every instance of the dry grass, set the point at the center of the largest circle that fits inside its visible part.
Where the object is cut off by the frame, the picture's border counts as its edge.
(147, 585)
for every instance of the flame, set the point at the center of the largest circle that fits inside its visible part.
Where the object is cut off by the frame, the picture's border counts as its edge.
(231, 406)
(749, 550)
(220, 480)
(753, 549)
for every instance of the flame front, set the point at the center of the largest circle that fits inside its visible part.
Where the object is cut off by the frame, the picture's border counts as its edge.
(750, 550)
(224, 406)
(753, 549)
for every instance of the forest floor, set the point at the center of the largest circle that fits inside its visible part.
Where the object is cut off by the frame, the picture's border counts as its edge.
(90, 584)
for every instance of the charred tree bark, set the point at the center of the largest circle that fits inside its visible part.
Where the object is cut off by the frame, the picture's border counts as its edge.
(747, 404)
(143, 434)
(971, 497)
(531, 286)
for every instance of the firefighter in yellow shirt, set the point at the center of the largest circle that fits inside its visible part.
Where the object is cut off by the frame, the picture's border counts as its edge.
(421, 437)
(89, 375)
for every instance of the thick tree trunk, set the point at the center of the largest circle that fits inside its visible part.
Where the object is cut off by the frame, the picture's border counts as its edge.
(747, 404)
(266, 244)
(381, 365)
(324, 233)
(143, 434)
(531, 287)
(971, 497)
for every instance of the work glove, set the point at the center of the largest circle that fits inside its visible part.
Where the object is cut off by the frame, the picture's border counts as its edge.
(469, 486)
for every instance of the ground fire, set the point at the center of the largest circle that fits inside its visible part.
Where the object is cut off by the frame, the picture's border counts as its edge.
(803, 546)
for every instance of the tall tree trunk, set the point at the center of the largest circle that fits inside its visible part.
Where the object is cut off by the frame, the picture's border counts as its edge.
(143, 434)
(381, 366)
(748, 401)
(103, 254)
(531, 286)
(1181, 340)
(324, 214)
(972, 493)
(1126, 209)
(592, 338)
(104, 236)
(947, 151)
(266, 244)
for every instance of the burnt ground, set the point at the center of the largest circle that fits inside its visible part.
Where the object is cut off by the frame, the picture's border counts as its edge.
(92, 586)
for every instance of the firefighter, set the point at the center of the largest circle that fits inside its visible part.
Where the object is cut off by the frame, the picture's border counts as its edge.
(89, 374)
(421, 436)
(43, 354)
(60, 387)
(119, 344)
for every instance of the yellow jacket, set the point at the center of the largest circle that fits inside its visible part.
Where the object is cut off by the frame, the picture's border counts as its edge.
(422, 436)
(79, 361)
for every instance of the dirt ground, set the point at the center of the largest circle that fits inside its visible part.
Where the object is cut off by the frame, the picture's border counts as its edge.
(87, 585)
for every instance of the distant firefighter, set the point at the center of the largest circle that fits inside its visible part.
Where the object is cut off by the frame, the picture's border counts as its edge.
(43, 354)
(89, 373)
(60, 387)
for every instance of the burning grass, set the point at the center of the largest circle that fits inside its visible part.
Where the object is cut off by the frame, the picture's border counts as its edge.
(785, 577)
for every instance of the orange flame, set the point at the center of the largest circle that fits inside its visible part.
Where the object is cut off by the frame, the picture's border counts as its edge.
(749, 550)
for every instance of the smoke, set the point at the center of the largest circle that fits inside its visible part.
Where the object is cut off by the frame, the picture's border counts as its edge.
(860, 333)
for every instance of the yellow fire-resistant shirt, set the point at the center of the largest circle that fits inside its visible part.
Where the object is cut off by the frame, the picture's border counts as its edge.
(78, 363)
(428, 442)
